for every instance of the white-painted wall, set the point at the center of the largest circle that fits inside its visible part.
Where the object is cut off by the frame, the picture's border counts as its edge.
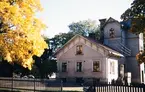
(90, 53)
(111, 75)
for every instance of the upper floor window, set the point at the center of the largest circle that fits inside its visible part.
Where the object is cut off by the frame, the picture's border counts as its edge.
(79, 67)
(112, 35)
(64, 67)
(79, 50)
(96, 66)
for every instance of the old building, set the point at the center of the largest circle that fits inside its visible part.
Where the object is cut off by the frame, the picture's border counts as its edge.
(85, 58)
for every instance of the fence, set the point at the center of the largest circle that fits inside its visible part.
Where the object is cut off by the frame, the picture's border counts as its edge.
(18, 84)
(117, 88)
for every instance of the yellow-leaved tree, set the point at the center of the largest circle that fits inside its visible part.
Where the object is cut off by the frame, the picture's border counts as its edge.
(20, 37)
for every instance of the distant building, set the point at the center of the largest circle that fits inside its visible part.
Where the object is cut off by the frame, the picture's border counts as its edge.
(84, 58)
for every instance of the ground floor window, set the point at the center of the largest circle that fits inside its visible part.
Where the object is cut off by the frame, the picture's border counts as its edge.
(79, 67)
(64, 67)
(142, 76)
(96, 66)
(112, 67)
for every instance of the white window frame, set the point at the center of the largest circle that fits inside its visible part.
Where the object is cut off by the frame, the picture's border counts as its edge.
(82, 49)
(76, 66)
(112, 72)
(66, 66)
(99, 65)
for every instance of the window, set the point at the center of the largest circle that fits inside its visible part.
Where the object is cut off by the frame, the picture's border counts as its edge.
(64, 67)
(112, 67)
(96, 66)
(79, 67)
(79, 50)
(142, 76)
(111, 33)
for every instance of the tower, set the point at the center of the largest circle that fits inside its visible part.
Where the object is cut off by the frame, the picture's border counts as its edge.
(125, 42)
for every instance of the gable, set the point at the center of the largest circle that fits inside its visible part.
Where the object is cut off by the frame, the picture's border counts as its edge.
(87, 43)
(89, 50)
(100, 48)
(111, 20)
(113, 25)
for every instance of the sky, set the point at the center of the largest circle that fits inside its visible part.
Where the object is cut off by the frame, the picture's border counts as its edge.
(58, 14)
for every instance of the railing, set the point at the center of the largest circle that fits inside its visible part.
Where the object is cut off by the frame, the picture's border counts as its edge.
(18, 84)
(123, 49)
(15, 84)
(116, 88)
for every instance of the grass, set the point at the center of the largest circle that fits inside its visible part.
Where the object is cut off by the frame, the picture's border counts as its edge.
(51, 89)
(17, 90)
(40, 91)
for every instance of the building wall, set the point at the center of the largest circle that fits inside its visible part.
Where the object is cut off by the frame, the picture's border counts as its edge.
(132, 42)
(90, 53)
(135, 43)
(112, 74)
(115, 26)
(119, 36)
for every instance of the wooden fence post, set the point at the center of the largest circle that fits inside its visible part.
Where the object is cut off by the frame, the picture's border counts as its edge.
(94, 85)
(12, 83)
(34, 84)
(61, 85)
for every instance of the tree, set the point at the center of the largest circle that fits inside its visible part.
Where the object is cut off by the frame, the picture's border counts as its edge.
(85, 27)
(6, 69)
(82, 27)
(20, 36)
(140, 57)
(45, 64)
(59, 40)
(42, 67)
(136, 14)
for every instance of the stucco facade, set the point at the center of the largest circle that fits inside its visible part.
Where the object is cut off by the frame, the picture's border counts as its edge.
(91, 52)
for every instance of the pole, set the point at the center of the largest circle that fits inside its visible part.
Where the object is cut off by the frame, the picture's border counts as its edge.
(34, 84)
(61, 86)
(94, 85)
(12, 83)
(12, 77)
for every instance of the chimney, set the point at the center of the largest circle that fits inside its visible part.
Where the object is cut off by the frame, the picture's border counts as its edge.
(92, 35)
(102, 22)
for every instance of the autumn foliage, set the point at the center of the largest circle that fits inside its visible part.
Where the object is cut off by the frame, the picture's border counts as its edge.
(20, 37)
(136, 13)
(141, 57)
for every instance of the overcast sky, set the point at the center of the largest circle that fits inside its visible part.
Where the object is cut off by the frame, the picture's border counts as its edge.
(58, 14)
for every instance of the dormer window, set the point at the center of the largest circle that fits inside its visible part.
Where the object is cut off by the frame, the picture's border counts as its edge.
(112, 35)
(79, 50)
